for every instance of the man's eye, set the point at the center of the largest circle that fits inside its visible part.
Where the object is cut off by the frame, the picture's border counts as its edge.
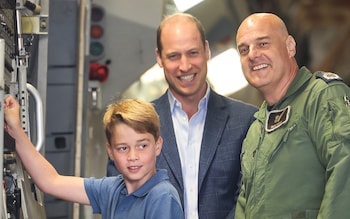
(263, 44)
(243, 51)
(194, 53)
(173, 56)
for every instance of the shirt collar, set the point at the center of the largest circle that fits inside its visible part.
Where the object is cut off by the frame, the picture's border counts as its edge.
(203, 103)
(160, 175)
(301, 79)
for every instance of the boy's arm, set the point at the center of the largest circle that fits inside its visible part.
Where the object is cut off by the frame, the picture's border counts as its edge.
(42, 172)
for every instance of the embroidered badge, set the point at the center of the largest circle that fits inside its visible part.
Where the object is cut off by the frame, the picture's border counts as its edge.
(277, 118)
(346, 100)
(328, 76)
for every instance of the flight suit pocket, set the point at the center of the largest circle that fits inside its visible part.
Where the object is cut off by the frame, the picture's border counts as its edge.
(282, 140)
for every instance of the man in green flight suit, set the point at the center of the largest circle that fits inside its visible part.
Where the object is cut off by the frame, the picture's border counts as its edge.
(296, 155)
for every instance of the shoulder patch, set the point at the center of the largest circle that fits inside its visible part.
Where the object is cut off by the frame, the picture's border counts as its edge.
(328, 76)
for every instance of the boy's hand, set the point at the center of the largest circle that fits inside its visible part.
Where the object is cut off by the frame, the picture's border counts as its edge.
(11, 115)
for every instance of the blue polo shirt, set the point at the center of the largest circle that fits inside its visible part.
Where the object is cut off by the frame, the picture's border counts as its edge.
(156, 199)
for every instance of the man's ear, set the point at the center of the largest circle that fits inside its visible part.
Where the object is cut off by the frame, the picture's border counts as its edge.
(291, 46)
(207, 49)
(158, 56)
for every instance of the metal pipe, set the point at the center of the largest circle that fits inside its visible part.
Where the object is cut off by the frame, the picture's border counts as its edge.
(80, 95)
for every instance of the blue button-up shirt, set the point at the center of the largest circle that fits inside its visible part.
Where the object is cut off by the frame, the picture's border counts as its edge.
(189, 134)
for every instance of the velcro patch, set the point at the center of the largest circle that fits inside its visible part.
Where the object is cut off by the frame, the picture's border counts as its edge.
(328, 76)
(277, 118)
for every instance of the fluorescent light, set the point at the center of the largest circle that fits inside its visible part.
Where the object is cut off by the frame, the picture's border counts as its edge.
(155, 73)
(225, 72)
(183, 5)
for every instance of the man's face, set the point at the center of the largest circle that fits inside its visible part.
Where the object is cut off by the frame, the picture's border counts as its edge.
(134, 155)
(184, 59)
(264, 53)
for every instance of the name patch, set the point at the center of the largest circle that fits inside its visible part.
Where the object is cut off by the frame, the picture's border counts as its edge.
(277, 118)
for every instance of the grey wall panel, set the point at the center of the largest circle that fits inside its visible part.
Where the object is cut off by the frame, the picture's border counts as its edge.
(131, 49)
(62, 48)
(60, 153)
(61, 75)
(61, 109)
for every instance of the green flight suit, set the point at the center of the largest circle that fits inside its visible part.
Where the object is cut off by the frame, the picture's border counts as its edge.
(296, 161)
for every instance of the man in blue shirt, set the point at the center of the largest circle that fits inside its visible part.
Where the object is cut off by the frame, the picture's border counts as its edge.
(202, 130)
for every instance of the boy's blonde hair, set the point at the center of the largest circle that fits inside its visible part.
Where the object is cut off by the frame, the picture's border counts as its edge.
(137, 114)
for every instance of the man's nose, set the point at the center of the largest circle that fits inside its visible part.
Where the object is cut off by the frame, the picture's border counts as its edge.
(185, 64)
(253, 53)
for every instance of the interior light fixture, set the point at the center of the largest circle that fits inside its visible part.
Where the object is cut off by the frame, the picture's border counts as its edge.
(225, 72)
(184, 5)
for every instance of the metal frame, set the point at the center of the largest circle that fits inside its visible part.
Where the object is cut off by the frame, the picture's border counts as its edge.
(31, 203)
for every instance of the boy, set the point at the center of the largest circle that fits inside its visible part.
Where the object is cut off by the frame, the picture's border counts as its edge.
(141, 191)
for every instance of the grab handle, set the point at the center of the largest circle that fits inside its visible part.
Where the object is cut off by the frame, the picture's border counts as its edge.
(40, 116)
